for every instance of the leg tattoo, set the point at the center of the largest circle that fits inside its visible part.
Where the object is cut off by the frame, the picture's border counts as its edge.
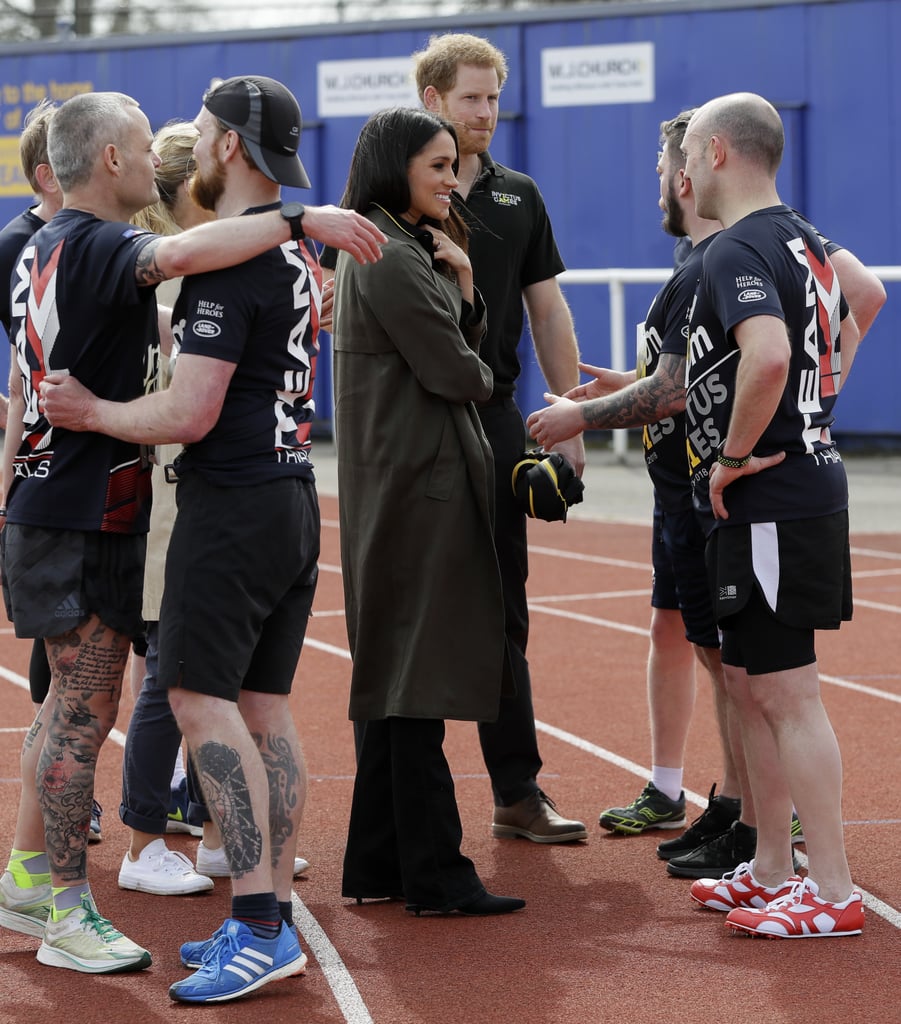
(87, 665)
(225, 787)
(282, 775)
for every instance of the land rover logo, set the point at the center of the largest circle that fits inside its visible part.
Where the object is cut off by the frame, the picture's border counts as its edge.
(207, 329)
(751, 295)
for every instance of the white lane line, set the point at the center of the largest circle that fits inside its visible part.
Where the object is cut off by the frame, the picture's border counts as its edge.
(871, 691)
(590, 620)
(578, 556)
(345, 991)
(602, 595)
(877, 606)
(876, 553)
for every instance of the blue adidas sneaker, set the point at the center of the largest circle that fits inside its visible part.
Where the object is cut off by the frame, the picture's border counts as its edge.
(192, 953)
(236, 962)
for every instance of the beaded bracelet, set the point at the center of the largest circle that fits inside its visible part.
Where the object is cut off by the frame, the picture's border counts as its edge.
(730, 463)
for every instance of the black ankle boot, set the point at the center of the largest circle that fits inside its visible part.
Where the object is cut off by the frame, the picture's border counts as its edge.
(488, 903)
(481, 906)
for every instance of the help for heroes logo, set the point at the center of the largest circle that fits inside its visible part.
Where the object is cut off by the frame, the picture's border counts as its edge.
(750, 288)
(205, 325)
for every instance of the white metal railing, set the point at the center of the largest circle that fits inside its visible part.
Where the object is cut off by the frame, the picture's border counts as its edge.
(616, 278)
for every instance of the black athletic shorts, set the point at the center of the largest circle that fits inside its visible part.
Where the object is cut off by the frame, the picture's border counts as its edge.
(241, 574)
(55, 579)
(760, 644)
(774, 584)
(680, 574)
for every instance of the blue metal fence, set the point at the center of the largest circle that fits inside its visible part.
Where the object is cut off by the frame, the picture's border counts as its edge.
(828, 66)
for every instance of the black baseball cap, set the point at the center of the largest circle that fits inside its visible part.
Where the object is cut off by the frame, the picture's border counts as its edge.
(267, 117)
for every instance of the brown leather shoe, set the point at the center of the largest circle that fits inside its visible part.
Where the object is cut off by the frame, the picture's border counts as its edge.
(536, 818)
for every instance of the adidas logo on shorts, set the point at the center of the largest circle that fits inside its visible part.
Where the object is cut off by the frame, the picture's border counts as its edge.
(70, 608)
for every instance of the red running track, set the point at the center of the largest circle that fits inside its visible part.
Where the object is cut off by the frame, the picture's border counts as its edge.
(607, 935)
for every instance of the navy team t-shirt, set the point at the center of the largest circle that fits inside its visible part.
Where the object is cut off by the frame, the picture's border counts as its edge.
(76, 305)
(665, 330)
(770, 263)
(263, 316)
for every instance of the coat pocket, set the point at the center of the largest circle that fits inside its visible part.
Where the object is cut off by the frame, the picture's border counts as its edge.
(446, 465)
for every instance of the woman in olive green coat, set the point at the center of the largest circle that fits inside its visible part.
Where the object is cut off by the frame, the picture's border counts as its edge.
(423, 601)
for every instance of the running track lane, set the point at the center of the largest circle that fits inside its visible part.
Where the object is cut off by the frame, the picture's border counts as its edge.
(607, 935)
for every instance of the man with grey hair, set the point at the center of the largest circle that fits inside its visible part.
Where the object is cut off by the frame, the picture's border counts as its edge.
(771, 342)
(73, 546)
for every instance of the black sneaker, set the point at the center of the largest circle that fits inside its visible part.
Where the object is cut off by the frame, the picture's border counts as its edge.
(652, 809)
(797, 829)
(717, 856)
(717, 818)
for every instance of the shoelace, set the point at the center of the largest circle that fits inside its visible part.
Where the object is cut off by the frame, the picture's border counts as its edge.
(645, 795)
(794, 896)
(222, 945)
(104, 928)
(174, 861)
(543, 796)
(742, 869)
(706, 810)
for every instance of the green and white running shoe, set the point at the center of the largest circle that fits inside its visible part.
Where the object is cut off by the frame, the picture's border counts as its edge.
(86, 942)
(652, 809)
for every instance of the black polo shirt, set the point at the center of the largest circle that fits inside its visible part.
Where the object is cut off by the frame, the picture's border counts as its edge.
(511, 246)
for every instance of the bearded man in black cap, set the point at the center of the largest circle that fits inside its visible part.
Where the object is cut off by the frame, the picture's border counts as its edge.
(242, 561)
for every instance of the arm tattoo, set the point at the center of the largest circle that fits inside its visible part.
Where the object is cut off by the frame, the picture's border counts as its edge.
(228, 796)
(147, 270)
(647, 400)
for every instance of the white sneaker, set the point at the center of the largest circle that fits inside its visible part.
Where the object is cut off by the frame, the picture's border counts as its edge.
(162, 871)
(214, 863)
(86, 942)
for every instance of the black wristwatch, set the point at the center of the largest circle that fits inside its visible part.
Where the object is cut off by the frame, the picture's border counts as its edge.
(293, 214)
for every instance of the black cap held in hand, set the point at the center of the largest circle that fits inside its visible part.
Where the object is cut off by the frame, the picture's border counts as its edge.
(267, 117)
(545, 485)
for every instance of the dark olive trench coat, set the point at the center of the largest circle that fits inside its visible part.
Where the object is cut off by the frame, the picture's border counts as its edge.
(425, 616)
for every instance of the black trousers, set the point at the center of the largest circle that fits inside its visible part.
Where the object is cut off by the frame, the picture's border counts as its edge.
(405, 833)
(510, 745)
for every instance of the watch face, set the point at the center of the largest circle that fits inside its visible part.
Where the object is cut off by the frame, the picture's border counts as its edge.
(290, 210)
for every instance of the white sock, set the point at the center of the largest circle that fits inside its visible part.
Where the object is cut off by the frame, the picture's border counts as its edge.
(178, 772)
(667, 780)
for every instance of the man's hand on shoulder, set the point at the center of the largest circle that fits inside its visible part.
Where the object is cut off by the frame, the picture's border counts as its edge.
(344, 229)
